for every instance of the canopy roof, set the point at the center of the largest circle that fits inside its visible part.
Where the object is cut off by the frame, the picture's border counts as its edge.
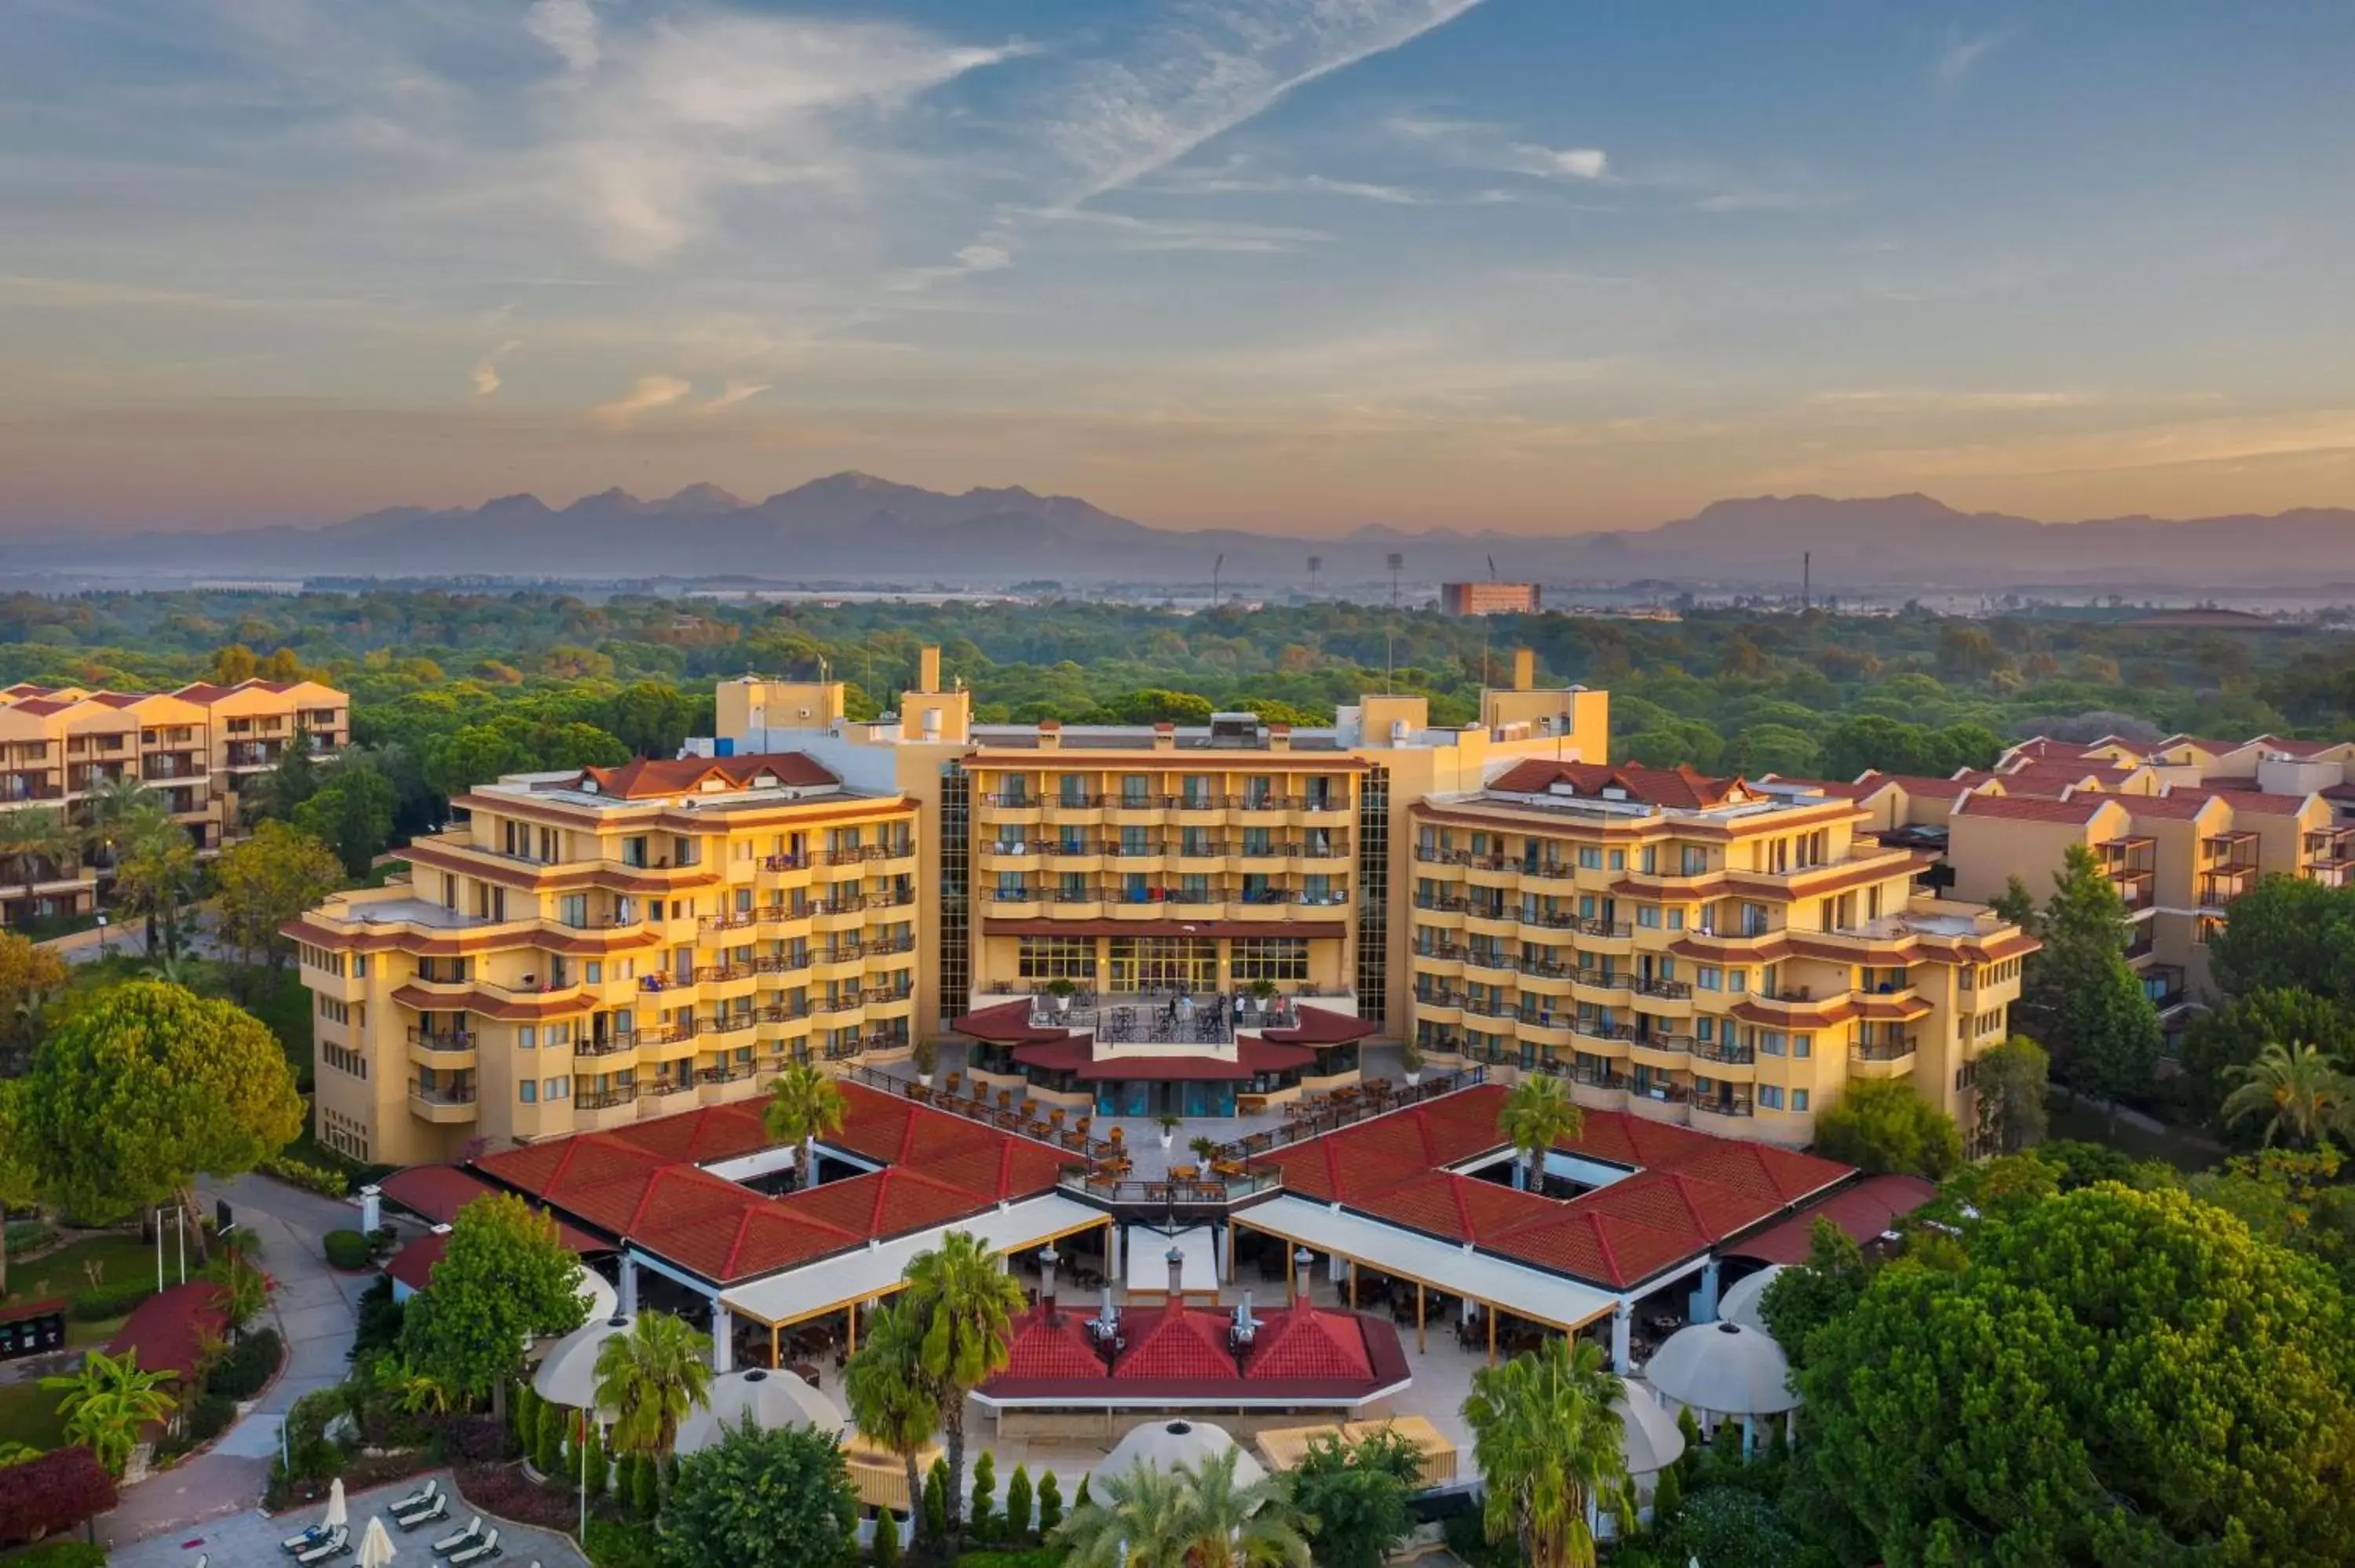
(1741, 1300)
(772, 1399)
(1169, 1444)
(1649, 1436)
(1725, 1369)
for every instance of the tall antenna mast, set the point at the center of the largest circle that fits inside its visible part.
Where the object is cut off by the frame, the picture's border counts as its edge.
(1316, 565)
(1389, 629)
(1807, 581)
(1217, 566)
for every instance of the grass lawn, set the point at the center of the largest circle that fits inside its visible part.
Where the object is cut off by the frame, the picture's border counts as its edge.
(62, 1273)
(29, 1413)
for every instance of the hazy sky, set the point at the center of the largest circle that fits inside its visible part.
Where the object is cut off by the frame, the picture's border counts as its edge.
(1533, 264)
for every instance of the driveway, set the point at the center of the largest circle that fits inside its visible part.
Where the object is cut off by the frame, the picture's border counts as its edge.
(316, 1308)
(250, 1539)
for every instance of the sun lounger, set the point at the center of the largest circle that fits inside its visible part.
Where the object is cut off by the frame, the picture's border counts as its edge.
(312, 1535)
(438, 1508)
(460, 1542)
(416, 1500)
(334, 1543)
(481, 1551)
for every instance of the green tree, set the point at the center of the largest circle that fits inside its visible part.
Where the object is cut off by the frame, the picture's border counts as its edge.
(935, 1510)
(1869, 741)
(759, 1498)
(1799, 1301)
(2289, 934)
(2293, 1092)
(2016, 903)
(108, 1402)
(1547, 1443)
(650, 717)
(2079, 992)
(1017, 1505)
(21, 1180)
(580, 745)
(477, 754)
(1881, 1124)
(155, 866)
(804, 1103)
(1051, 1504)
(1538, 1114)
(979, 1507)
(37, 845)
(2223, 1041)
(2013, 1099)
(1355, 1497)
(652, 1378)
(1193, 1516)
(2112, 1377)
(267, 880)
(148, 1086)
(292, 780)
(966, 1300)
(31, 979)
(891, 1403)
(505, 1279)
(352, 813)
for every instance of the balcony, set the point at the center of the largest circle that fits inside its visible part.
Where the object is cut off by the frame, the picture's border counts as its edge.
(605, 1046)
(1722, 1105)
(2221, 885)
(591, 1099)
(2164, 985)
(442, 1039)
(1882, 1055)
(725, 1073)
(2135, 887)
(443, 1104)
(1728, 1052)
(785, 862)
(1668, 990)
(159, 769)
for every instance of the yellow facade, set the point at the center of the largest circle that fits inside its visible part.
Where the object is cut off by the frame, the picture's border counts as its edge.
(584, 950)
(1694, 950)
(195, 748)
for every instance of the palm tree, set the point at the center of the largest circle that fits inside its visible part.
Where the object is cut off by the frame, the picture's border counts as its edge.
(652, 1378)
(108, 1402)
(2297, 1091)
(154, 859)
(1538, 1115)
(37, 839)
(1187, 1518)
(1548, 1444)
(890, 1400)
(803, 1103)
(114, 805)
(417, 1392)
(965, 1301)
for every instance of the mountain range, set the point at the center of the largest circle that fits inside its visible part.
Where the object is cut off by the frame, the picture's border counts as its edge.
(853, 528)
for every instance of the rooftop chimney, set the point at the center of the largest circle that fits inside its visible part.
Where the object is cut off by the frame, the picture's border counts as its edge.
(1165, 737)
(1176, 1260)
(1297, 1280)
(1050, 733)
(1047, 1259)
(1525, 669)
(928, 670)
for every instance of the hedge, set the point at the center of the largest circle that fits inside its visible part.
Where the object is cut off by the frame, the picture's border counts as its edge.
(28, 1235)
(60, 1554)
(248, 1366)
(209, 1417)
(349, 1250)
(301, 1173)
(102, 1302)
(56, 1492)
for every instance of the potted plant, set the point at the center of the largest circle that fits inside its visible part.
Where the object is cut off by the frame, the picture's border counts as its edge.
(927, 1057)
(1169, 1126)
(1262, 990)
(1060, 990)
(1205, 1148)
(1411, 1060)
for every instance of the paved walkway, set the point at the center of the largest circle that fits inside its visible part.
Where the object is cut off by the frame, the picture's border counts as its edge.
(251, 1538)
(316, 1308)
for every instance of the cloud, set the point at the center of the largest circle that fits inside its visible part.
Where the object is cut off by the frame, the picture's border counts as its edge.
(485, 373)
(736, 391)
(1962, 56)
(1240, 177)
(1576, 162)
(650, 393)
(1128, 232)
(982, 257)
(568, 27)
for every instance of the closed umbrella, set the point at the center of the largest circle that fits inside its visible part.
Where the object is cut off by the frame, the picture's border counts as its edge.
(336, 1516)
(376, 1546)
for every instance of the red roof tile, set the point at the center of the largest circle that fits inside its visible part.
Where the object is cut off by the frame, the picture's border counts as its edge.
(413, 1264)
(1863, 1211)
(169, 1329)
(1176, 1344)
(1059, 1350)
(1302, 1343)
(1679, 788)
(650, 778)
(1007, 1023)
(1323, 1026)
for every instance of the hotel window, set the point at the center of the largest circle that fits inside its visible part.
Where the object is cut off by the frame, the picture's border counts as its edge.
(1675, 919)
(1259, 842)
(572, 910)
(1316, 888)
(1709, 976)
(1648, 914)
(334, 1012)
(1133, 842)
(1771, 1042)
(1770, 1096)
(527, 1037)
(1136, 789)
(1696, 860)
(1195, 791)
(1043, 958)
(1193, 889)
(1618, 859)
(557, 1089)
(1798, 1100)
(1011, 889)
(1737, 980)
(1590, 857)
(1196, 841)
(1269, 959)
(528, 1092)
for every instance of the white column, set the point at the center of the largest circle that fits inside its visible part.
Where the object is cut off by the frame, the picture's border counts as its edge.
(1705, 1299)
(1622, 1318)
(723, 1348)
(1749, 1435)
(1338, 1267)
(1115, 1242)
(372, 1208)
(628, 1295)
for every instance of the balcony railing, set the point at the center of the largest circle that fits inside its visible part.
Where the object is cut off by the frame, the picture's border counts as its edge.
(1674, 990)
(444, 1094)
(1725, 1050)
(728, 1073)
(442, 1039)
(1717, 1107)
(605, 1098)
(605, 1046)
(1891, 1048)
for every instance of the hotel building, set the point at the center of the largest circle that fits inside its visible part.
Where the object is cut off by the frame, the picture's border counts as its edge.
(60, 745)
(1138, 919)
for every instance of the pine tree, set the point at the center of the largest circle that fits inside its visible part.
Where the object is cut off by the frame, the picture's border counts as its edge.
(547, 1453)
(1688, 1428)
(1017, 1505)
(978, 1512)
(1051, 1504)
(645, 1488)
(1082, 1499)
(886, 1553)
(597, 1471)
(527, 1416)
(1668, 1496)
(936, 1501)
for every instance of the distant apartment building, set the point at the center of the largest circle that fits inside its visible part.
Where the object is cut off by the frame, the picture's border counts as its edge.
(194, 747)
(586, 948)
(1692, 949)
(2183, 826)
(1488, 598)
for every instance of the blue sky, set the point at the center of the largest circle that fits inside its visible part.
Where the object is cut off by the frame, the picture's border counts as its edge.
(1302, 264)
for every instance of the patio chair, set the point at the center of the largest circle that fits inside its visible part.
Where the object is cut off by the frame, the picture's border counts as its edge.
(416, 1500)
(334, 1543)
(481, 1551)
(431, 1514)
(310, 1536)
(460, 1542)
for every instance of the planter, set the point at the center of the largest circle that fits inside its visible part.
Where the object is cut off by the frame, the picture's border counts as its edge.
(1413, 1076)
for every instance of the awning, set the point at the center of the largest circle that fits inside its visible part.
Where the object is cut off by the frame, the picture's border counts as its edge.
(1863, 1211)
(1166, 921)
(831, 1284)
(1076, 1054)
(1453, 1267)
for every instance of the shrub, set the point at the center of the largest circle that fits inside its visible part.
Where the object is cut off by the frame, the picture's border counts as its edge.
(980, 1519)
(28, 1235)
(56, 1492)
(478, 1439)
(1668, 1496)
(381, 1318)
(61, 1554)
(547, 1450)
(1050, 1503)
(246, 1367)
(936, 1501)
(209, 1417)
(526, 1409)
(885, 1552)
(622, 1544)
(1017, 1504)
(645, 1488)
(348, 1250)
(101, 1302)
(310, 1178)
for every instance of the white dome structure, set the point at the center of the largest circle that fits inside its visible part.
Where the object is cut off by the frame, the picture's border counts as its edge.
(1723, 1368)
(1172, 1443)
(568, 1374)
(773, 1400)
(1739, 1302)
(602, 1303)
(1649, 1436)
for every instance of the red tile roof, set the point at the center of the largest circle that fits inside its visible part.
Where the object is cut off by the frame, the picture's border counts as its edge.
(2171, 807)
(1863, 1211)
(1007, 1023)
(649, 778)
(1076, 1053)
(168, 1330)
(1180, 1344)
(2260, 803)
(1322, 1026)
(1680, 787)
(2078, 808)
(1302, 1342)
(413, 1264)
(1061, 1349)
